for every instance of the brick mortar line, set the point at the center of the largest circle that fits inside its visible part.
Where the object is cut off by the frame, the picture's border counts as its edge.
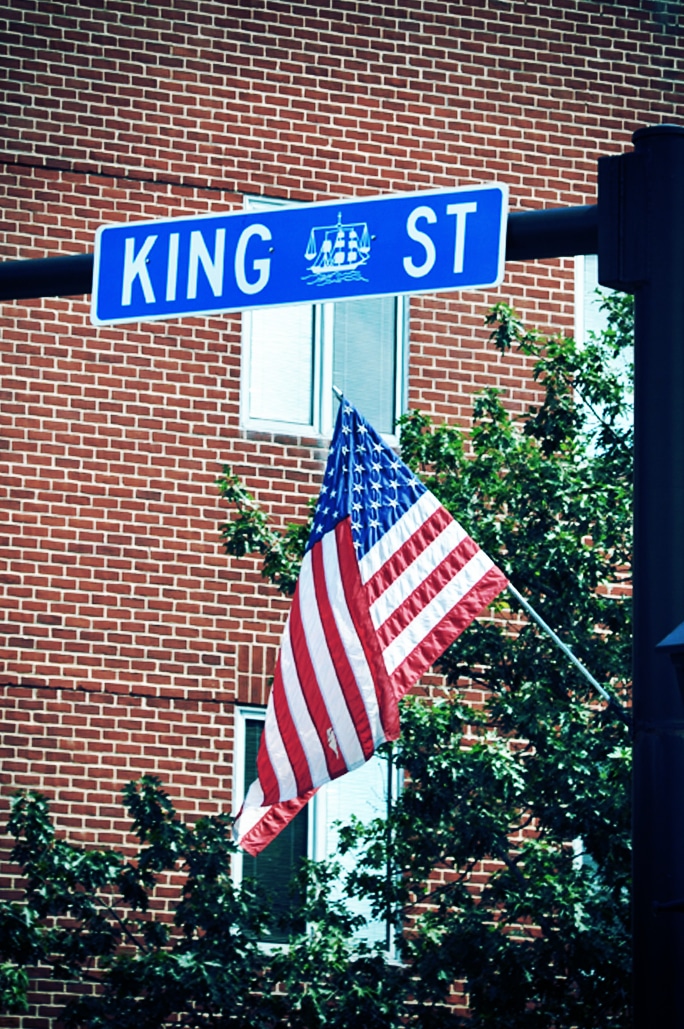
(218, 700)
(68, 168)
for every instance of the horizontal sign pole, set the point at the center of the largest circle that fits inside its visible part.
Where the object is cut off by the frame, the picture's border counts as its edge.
(537, 234)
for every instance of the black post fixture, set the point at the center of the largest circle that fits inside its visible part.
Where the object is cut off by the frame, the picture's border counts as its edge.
(641, 250)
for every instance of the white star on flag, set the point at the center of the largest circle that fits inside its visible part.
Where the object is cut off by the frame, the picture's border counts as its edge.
(378, 600)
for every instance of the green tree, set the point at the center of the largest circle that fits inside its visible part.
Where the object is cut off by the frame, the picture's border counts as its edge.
(509, 845)
(92, 919)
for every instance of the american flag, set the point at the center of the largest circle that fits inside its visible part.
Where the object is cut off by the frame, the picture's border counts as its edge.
(389, 579)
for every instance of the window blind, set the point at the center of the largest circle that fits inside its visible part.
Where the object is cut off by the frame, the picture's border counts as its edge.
(364, 357)
(282, 364)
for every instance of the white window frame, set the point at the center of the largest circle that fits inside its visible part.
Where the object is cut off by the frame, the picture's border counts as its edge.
(323, 405)
(318, 834)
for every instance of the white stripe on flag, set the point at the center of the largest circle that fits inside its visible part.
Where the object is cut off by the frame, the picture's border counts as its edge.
(324, 669)
(306, 730)
(248, 819)
(397, 535)
(277, 753)
(350, 640)
(252, 809)
(432, 614)
(255, 796)
(416, 573)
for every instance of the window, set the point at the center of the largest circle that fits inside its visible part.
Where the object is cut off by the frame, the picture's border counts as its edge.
(292, 357)
(274, 867)
(365, 792)
(588, 314)
(591, 319)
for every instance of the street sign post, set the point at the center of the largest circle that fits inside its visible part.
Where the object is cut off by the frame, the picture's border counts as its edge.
(408, 243)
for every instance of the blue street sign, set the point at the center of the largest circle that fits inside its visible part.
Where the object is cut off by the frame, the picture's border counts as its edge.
(407, 243)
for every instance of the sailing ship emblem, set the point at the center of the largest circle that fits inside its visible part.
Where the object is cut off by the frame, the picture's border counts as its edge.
(337, 252)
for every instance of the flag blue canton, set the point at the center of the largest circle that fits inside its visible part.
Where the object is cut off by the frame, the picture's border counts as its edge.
(365, 481)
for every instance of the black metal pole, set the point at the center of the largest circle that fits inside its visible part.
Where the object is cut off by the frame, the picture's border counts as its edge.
(641, 250)
(71, 275)
(552, 232)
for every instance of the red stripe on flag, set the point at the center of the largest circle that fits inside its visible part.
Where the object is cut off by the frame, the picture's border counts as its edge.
(431, 585)
(312, 690)
(288, 732)
(445, 632)
(338, 655)
(265, 774)
(274, 821)
(357, 604)
(407, 553)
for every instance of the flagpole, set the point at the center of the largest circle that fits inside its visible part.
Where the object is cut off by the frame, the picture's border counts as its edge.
(388, 869)
(612, 701)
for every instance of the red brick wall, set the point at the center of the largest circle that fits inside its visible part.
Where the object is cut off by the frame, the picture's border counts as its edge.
(127, 635)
